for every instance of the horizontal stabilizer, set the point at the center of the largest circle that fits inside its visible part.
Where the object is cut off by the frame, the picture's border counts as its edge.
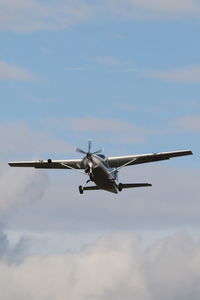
(134, 185)
(91, 188)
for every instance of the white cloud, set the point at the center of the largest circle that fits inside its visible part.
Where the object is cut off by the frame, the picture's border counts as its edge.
(18, 137)
(154, 9)
(189, 123)
(34, 15)
(13, 72)
(110, 129)
(62, 208)
(120, 66)
(19, 186)
(185, 75)
(171, 202)
(127, 107)
(76, 69)
(12, 253)
(188, 104)
(115, 267)
(108, 60)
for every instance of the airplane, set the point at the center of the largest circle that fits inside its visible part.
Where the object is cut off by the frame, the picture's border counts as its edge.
(102, 170)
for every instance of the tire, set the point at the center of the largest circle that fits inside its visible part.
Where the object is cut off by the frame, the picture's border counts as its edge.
(80, 189)
(120, 187)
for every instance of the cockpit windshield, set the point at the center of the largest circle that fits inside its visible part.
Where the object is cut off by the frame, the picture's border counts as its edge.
(101, 155)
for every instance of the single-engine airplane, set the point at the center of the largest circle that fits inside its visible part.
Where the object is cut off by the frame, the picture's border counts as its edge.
(103, 171)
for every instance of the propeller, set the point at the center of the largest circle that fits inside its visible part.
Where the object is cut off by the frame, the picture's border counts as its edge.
(89, 146)
(88, 153)
(88, 161)
(80, 151)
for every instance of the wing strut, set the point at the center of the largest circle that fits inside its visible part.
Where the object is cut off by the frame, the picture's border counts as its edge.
(69, 167)
(124, 165)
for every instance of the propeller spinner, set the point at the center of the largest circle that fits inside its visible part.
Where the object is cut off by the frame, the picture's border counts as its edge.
(88, 161)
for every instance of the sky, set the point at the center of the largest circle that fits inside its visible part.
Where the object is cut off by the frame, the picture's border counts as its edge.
(126, 74)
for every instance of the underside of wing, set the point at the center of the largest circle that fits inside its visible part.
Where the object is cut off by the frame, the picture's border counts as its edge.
(119, 161)
(50, 164)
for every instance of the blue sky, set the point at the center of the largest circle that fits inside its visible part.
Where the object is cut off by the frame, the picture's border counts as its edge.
(127, 75)
(106, 70)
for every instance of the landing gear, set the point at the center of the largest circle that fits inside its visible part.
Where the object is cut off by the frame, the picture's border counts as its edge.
(80, 189)
(120, 187)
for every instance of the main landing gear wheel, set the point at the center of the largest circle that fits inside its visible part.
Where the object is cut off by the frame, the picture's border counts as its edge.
(120, 187)
(80, 189)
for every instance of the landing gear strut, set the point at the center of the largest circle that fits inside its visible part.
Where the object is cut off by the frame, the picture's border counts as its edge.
(81, 188)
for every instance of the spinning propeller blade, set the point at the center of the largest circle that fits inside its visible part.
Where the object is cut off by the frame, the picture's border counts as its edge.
(80, 151)
(88, 153)
(89, 146)
(98, 151)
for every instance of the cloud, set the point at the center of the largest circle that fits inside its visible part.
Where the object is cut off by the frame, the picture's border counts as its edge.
(76, 69)
(110, 129)
(188, 104)
(12, 253)
(13, 72)
(116, 64)
(115, 267)
(189, 123)
(182, 75)
(18, 137)
(127, 107)
(171, 202)
(108, 60)
(17, 188)
(34, 15)
(154, 9)
(20, 186)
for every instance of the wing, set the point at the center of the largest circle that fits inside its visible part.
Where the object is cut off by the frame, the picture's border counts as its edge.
(50, 164)
(120, 161)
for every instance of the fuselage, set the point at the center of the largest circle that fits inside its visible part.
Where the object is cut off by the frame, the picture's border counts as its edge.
(101, 174)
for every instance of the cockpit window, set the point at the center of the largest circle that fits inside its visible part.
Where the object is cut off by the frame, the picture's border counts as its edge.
(101, 155)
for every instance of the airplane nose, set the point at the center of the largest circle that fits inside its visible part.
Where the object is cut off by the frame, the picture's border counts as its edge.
(95, 162)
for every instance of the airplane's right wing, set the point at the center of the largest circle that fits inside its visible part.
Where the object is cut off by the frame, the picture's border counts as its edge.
(50, 164)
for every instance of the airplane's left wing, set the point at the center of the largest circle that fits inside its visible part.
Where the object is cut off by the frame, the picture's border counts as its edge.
(120, 161)
(50, 164)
